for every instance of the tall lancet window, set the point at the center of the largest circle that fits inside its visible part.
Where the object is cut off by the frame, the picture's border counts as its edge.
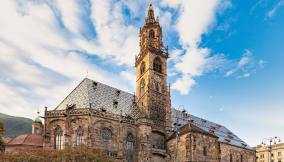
(142, 68)
(79, 138)
(151, 34)
(130, 148)
(142, 87)
(58, 138)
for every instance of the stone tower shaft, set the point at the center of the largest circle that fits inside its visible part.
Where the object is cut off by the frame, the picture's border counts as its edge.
(152, 91)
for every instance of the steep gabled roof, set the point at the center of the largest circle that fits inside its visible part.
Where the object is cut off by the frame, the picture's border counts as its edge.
(224, 135)
(97, 95)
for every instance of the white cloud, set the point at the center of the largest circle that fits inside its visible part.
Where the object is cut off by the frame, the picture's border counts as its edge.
(184, 84)
(41, 47)
(195, 20)
(229, 73)
(247, 56)
(45, 47)
(114, 37)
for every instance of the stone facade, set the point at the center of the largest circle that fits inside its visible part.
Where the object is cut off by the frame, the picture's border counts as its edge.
(135, 128)
(194, 144)
(92, 123)
(197, 145)
(263, 153)
(231, 153)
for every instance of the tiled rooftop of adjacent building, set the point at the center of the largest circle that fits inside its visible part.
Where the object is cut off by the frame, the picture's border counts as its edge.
(224, 135)
(27, 140)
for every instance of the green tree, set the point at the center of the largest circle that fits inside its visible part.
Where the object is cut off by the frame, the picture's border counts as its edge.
(2, 144)
(82, 154)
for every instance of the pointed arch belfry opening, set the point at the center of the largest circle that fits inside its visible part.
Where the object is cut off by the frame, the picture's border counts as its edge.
(157, 65)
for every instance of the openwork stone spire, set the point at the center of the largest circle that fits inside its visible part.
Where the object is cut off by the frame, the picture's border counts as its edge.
(151, 16)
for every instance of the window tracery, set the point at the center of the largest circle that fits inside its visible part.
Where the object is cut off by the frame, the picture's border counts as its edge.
(58, 138)
(79, 138)
(130, 148)
(106, 134)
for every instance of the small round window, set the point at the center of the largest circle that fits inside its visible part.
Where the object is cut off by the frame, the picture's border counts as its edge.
(106, 134)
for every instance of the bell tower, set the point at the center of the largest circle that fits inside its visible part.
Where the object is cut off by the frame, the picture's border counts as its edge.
(153, 97)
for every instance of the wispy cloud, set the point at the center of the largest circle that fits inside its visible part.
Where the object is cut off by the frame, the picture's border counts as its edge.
(196, 60)
(46, 48)
(274, 9)
(245, 67)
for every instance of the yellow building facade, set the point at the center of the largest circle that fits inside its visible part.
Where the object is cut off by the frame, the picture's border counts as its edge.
(263, 153)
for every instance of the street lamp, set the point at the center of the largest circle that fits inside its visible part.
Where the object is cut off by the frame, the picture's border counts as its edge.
(270, 141)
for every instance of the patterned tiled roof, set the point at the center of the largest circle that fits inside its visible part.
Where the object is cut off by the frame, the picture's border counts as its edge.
(224, 135)
(92, 94)
(27, 140)
(97, 95)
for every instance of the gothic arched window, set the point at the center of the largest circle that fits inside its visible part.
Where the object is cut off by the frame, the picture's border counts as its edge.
(142, 68)
(157, 65)
(106, 134)
(58, 138)
(130, 148)
(142, 87)
(151, 34)
(79, 138)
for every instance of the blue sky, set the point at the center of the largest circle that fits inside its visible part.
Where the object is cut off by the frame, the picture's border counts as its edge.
(225, 56)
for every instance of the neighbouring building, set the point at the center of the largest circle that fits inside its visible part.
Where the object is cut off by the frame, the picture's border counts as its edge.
(202, 140)
(263, 153)
(138, 127)
(35, 139)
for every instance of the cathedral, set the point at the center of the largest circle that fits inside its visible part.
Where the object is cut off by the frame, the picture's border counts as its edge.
(140, 127)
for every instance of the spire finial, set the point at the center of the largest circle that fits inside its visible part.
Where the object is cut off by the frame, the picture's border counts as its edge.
(150, 17)
(150, 5)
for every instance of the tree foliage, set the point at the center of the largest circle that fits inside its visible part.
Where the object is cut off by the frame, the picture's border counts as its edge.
(2, 144)
(82, 154)
(15, 126)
